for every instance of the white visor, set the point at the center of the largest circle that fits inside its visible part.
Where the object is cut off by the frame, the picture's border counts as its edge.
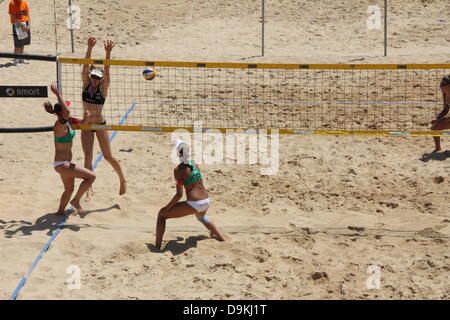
(182, 151)
(97, 73)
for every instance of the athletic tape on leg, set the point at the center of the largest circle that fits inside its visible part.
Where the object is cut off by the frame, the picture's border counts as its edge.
(203, 219)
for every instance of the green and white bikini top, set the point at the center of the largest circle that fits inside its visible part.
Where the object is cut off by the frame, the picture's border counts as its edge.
(195, 175)
(68, 137)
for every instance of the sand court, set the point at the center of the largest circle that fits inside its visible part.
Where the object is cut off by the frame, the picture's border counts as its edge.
(336, 207)
(279, 248)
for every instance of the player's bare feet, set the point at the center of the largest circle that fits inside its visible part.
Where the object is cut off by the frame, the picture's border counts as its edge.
(214, 236)
(123, 187)
(76, 205)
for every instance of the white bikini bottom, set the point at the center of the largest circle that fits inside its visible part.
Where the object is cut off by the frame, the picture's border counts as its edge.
(200, 205)
(60, 163)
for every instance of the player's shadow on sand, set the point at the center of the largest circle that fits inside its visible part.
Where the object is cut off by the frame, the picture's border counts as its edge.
(88, 212)
(49, 222)
(246, 58)
(177, 247)
(438, 156)
(7, 65)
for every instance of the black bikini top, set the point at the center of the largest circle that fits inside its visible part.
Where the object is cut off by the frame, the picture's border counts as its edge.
(96, 98)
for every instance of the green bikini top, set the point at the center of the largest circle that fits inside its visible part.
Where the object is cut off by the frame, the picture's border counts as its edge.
(195, 175)
(68, 137)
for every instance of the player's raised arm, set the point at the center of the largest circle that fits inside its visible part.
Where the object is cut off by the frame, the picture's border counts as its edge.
(85, 73)
(65, 112)
(109, 45)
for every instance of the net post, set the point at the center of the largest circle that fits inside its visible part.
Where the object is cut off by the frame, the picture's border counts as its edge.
(55, 27)
(385, 27)
(71, 25)
(59, 75)
(262, 23)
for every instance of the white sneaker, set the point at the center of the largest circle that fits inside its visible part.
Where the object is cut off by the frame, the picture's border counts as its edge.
(17, 62)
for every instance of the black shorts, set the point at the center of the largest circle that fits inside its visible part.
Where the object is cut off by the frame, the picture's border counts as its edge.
(103, 123)
(21, 43)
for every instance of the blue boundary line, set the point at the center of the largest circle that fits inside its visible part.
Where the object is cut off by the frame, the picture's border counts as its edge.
(61, 225)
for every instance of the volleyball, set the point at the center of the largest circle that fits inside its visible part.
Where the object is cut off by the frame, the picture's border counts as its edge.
(149, 74)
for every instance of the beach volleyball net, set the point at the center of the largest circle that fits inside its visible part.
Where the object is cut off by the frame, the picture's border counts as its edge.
(293, 98)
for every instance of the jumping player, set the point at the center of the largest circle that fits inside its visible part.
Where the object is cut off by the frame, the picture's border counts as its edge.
(63, 137)
(95, 90)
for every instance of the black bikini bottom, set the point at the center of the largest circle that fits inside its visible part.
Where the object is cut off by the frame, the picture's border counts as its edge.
(103, 123)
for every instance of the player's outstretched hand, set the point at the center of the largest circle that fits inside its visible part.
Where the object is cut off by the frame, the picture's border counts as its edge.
(54, 89)
(91, 42)
(109, 45)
